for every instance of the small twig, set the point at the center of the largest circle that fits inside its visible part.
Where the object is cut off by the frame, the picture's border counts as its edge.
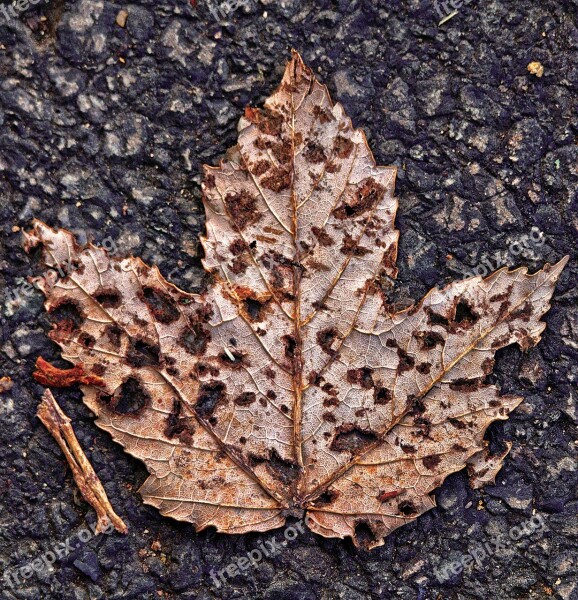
(58, 424)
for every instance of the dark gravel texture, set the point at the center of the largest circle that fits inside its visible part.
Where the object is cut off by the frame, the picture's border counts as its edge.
(103, 130)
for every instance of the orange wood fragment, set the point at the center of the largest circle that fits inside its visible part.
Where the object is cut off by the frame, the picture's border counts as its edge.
(49, 375)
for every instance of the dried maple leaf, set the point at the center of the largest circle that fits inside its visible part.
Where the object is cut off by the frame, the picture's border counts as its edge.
(290, 386)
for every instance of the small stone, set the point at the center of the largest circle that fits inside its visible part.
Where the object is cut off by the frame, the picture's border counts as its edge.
(536, 68)
(122, 17)
(5, 384)
(88, 565)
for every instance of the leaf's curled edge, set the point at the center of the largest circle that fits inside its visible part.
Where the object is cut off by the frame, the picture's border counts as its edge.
(289, 387)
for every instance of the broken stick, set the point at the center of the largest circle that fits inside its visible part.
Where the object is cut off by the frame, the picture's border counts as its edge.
(58, 424)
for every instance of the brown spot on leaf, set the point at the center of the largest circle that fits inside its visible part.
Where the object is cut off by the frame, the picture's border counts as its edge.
(524, 312)
(242, 207)
(283, 470)
(290, 346)
(431, 462)
(255, 309)
(352, 247)
(163, 308)
(330, 401)
(267, 121)
(389, 258)
(113, 334)
(204, 369)
(194, 338)
(465, 315)
(465, 385)
(178, 426)
(283, 151)
(322, 236)
(278, 180)
(210, 181)
(86, 340)
(322, 114)
(408, 448)
(406, 362)
(329, 417)
(500, 297)
(237, 247)
(429, 339)
(98, 369)
(487, 365)
(362, 377)
(327, 497)
(239, 265)
(364, 534)
(457, 423)
(326, 337)
(435, 318)
(342, 146)
(364, 199)
(260, 167)
(233, 359)
(423, 368)
(286, 471)
(314, 152)
(383, 496)
(245, 399)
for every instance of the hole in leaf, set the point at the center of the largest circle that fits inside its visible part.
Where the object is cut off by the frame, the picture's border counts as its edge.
(352, 440)
(67, 316)
(162, 306)
(465, 314)
(108, 299)
(210, 394)
(130, 398)
(141, 354)
(364, 534)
